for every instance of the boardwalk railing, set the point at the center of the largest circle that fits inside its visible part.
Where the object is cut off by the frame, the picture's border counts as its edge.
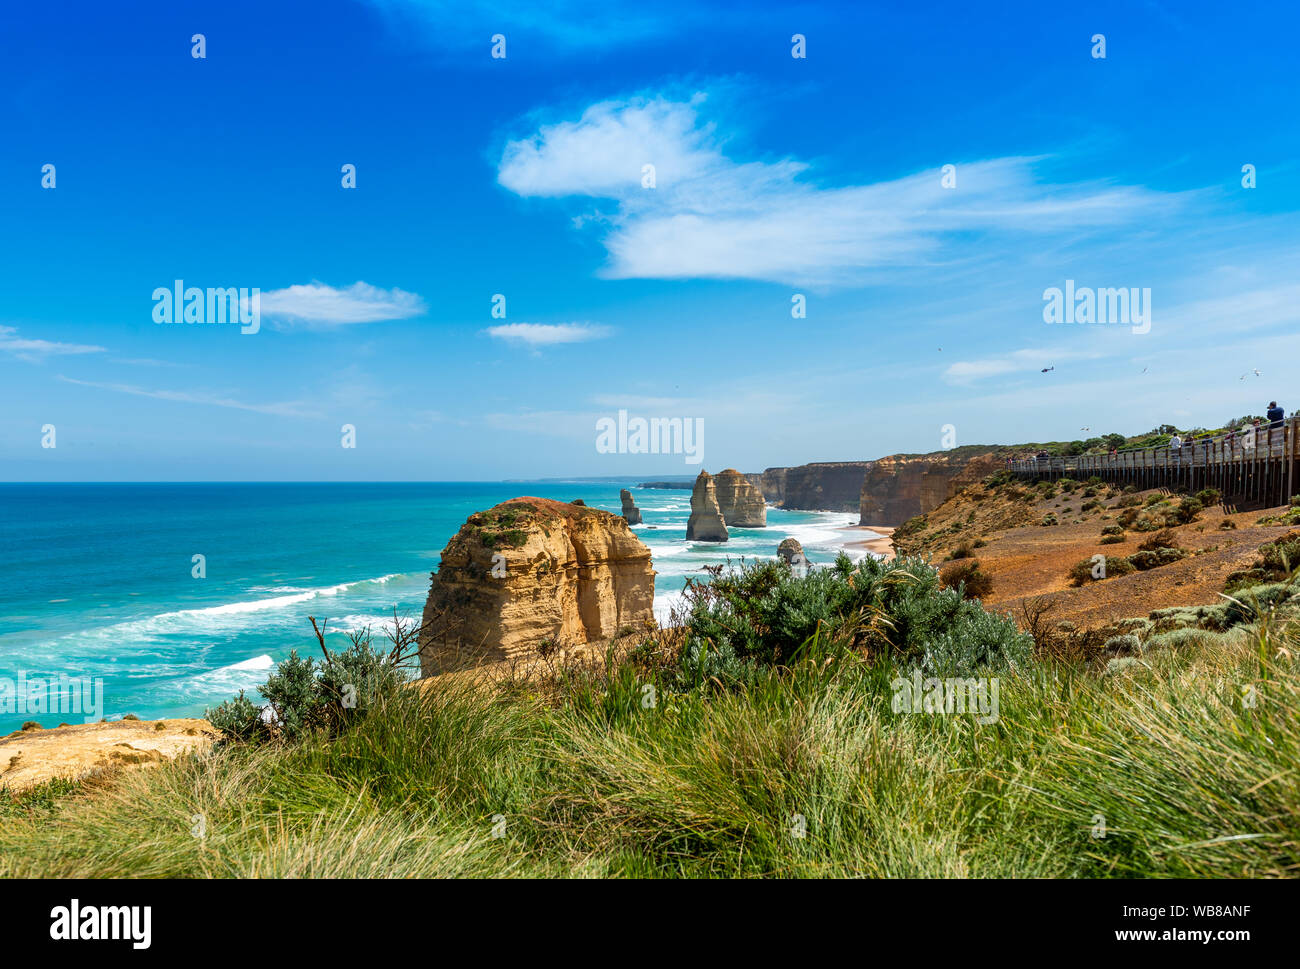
(1255, 464)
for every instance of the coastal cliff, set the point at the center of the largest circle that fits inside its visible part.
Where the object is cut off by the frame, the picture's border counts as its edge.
(895, 488)
(824, 486)
(532, 573)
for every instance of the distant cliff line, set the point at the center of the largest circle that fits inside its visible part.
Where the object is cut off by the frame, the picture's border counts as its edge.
(884, 491)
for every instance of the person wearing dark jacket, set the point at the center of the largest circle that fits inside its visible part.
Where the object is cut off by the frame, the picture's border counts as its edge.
(1274, 414)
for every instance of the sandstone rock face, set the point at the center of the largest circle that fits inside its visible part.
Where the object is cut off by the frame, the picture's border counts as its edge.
(772, 483)
(706, 523)
(898, 487)
(739, 501)
(790, 551)
(631, 513)
(533, 573)
(826, 486)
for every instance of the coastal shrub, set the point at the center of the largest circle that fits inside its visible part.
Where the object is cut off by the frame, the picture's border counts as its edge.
(980, 543)
(1112, 530)
(1129, 501)
(761, 615)
(1127, 517)
(1154, 558)
(303, 696)
(1276, 561)
(238, 718)
(1090, 505)
(1112, 567)
(1049, 519)
(962, 551)
(967, 575)
(1227, 525)
(1188, 509)
(1125, 644)
(1153, 500)
(1209, 496)
(1165, 538)
(1186, 638)
(1112, 539)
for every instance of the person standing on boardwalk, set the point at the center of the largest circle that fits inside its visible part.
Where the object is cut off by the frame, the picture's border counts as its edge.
(1274, 414)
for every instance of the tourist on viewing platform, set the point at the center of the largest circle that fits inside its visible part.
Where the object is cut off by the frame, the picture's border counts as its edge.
(1175, 442)
(1275, 414)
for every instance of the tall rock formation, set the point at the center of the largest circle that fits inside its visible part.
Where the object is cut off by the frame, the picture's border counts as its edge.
(706, 523)
(897, 487)
(739, 501)
(533, 573)
(631, 513)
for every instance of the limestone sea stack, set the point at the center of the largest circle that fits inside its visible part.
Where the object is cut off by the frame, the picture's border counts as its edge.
(706, 523)
(739, 501)
(532, 575)
(631, 513)
(790, 551)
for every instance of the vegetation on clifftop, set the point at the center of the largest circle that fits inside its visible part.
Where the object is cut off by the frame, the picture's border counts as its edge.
(762, 737)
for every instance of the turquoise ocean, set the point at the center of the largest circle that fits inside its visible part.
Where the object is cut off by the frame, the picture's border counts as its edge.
(96, 579)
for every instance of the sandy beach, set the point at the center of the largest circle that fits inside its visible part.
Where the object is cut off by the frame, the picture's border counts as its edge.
(881, 541)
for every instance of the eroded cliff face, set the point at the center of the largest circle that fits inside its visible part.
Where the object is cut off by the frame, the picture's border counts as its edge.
(772, 483)
(897, 487)
(825, 486)
(532, 572)
(739, 501)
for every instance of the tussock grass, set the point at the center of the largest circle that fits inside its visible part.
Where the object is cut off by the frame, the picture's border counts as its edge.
(585, 780)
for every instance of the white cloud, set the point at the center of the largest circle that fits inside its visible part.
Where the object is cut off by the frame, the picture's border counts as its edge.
(710, 216)
(33, 350)
(1017, 361)
(284, 409)
(316, 304)
(546, 334)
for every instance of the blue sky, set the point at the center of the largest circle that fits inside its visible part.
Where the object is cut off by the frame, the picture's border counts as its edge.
(523, 176)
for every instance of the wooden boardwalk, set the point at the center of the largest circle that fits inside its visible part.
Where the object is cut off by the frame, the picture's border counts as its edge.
(1256, 467)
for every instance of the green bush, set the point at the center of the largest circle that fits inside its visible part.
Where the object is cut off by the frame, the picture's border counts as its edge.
(1188, 509)
(1154, 558)
(1081, 572)
(304, 696)
(1112, 530)
(1112, 539)
(764, 615)
(1209, 496)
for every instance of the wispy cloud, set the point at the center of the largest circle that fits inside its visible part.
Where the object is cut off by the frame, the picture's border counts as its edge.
(34, 350)
(315, 304)
(282, 409)
(711, 216)
(1017, 361)
(546, 334)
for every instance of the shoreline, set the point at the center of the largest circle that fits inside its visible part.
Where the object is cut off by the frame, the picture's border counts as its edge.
(882, 544)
